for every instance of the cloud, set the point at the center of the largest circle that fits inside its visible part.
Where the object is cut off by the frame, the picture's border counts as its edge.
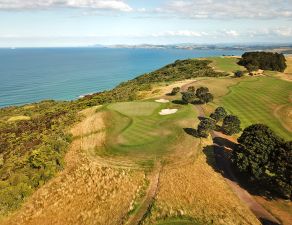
(228, 9)
(116, 5)
(179, 33)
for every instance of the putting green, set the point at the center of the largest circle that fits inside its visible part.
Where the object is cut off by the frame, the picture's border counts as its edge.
(255, 101)
(135, 108)
(137, 128)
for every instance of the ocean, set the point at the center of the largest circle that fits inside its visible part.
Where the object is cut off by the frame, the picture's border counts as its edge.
(34, 74)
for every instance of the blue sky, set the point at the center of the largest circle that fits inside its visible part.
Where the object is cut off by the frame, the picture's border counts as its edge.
(37, 23)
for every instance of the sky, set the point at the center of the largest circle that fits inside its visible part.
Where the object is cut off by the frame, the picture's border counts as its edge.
(60, 23)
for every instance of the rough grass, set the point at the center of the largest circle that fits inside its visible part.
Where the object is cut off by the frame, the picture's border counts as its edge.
(289, 65)
(147, 135)
(255, 101)
(85, 192)
(196, 191)
(226, 64)
(18, 118)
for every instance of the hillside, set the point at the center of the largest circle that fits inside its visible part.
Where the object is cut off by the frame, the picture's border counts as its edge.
(112, 156)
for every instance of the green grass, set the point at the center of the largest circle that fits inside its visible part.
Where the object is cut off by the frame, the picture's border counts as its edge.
(135, 108)
(136, 128)
(255, 101)
(227, 64)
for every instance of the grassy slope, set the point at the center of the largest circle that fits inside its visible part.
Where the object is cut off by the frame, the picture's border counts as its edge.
(226, 64)
(255, 101)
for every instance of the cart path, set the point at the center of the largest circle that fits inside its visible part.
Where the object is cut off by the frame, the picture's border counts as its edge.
(148, 200)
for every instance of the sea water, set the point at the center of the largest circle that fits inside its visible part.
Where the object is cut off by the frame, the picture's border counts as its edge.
(34, 74)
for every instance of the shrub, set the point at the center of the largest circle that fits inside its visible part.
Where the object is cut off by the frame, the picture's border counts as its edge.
(238, 73)
(175, 90)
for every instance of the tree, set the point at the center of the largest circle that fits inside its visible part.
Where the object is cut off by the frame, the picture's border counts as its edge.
(208, 97)
(191, 89)
(188, 97)
(238, 73)
(203, 95)
(202, 91)
(263, 60)
(219, 114)
(175, 90)
(265, 158)
(231, 125)
(205, 126)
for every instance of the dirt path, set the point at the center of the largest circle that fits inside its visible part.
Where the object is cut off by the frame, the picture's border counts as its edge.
(224, 166)
(148, 200)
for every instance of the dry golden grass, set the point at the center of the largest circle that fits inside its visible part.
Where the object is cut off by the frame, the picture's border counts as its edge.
(163, 89)
(18, 118)
(85, 192)
(289, 65)
(195, 190)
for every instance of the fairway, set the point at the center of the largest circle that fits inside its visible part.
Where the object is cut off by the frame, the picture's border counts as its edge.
(136, 128)
(256, 101)
(227, 64)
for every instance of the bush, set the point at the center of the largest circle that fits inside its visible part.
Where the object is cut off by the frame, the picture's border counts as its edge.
(175, 90)
(238, 73)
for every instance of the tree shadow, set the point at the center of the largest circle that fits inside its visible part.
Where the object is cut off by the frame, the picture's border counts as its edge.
(179, 102)
(197, 102)
(223, 142)
(170, 94)
(267, 222)
(202, 118)
(191, 131)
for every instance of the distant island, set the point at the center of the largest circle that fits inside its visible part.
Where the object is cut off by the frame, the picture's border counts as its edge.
(285, 48)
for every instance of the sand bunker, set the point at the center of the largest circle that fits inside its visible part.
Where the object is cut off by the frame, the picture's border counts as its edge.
(167, 111)
(162, 100)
